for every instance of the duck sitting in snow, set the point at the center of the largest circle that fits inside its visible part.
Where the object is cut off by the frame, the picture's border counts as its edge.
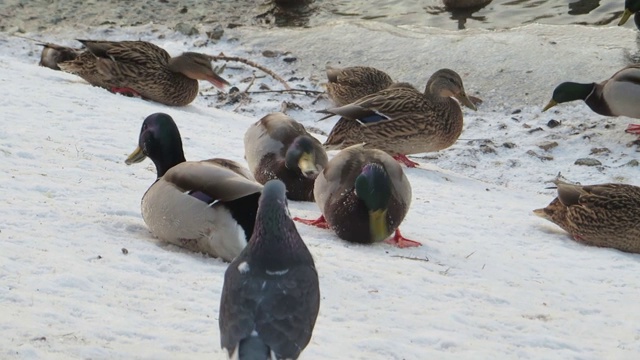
(350, 84)
(604, 215)
(139, 68)
(363, 195)
(271, 296)
(278, 147)
(400, 120)
(631, 7)
(205, 206)
(616, 96)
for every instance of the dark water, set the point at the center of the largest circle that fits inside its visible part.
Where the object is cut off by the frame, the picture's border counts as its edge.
(499, 14)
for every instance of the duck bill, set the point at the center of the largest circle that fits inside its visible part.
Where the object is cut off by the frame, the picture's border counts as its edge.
(551, 104)
(625, 17)
(217, 81)
(464, 100)
(307, 166)
(378, 225)
(542, 213)
(135, 157)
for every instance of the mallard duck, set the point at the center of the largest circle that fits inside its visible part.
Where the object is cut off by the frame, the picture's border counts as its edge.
(401, 120)
(349, 84)
(271, 295)
(465, 4)
(278, 147)
(604, 215)
(140, 68)
(53, 54)
(631, 7)
(205, 206)
(363, 195)
(616, 96)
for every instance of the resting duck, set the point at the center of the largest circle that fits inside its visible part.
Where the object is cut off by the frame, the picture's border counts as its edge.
(205, 206)
(271, 295)
(53, 54)
(278, 147)
(352, 83)
(400, 120)
(140, 68)
(465, 4)
(604, 215)
(631, 7)
(363, 195)
(616, 96)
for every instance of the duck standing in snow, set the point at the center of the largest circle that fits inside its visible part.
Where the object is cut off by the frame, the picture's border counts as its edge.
(616, 96)
(400, 120)
(138, 68)
(271, 296)
(206, 206)
(278, 147)
(363, 195)
(604, 215)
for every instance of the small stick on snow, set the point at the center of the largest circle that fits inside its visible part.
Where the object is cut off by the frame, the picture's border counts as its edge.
(250, 63)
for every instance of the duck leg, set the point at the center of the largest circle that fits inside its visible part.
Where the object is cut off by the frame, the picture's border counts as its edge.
(125, 91)
(633, 129)
(400, 241)
(403, 159)
(320, 222)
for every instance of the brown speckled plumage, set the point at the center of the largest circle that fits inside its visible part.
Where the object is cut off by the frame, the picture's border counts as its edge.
(53, 54)
(605, 215)
(413, 122)
(145, 68)
(352, 83)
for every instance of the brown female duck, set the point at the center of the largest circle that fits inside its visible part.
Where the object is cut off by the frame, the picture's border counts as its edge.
(604, 215)
(349, 84)
(400, 120)
(142, 69)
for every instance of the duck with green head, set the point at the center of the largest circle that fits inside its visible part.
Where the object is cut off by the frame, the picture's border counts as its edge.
(206, 206)
(278, 147)
(363, 195)
(631, 7)
(616, 96)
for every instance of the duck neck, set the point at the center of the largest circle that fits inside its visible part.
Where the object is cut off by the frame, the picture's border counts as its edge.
(169, 159)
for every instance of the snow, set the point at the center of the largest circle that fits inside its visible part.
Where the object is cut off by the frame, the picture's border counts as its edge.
(499, 282)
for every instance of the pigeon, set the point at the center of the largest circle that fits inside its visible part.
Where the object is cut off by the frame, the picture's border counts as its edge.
(271, 295)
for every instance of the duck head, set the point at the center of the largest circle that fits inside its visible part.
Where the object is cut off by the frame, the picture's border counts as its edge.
(198, 67)
(373, 187)
(446, 82)
(569, 91)
(630, 7)
(302, 155)
(160, 141)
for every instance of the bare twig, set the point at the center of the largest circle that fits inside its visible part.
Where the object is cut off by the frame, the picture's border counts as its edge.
(287, 91)
(411, 258)
(250, 63)
(253, 79)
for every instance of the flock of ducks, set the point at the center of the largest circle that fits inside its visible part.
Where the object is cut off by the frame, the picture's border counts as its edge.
(270, 298)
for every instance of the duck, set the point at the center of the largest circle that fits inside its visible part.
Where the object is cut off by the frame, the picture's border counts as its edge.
(401, 120)
(631, 7)
(53, 54)
(143, 69)
(363, 195)
(616, 96)
(206, 206)
(603, 215)
(465, 4)
(271, 295)
(279, 147)
(347, 85)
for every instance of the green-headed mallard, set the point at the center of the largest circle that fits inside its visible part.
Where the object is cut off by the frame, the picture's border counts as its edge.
(363, 195)
(278, 147)
(604, 215)
(349, 84)
(616, 96)
(271, 294)
(142, 69)
(400, 120)
(207, 206)
(631, 7)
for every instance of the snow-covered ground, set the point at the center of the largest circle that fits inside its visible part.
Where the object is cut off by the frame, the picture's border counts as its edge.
(492, 281)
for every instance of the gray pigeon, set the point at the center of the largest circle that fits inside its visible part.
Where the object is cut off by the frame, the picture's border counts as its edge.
(271, 296)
